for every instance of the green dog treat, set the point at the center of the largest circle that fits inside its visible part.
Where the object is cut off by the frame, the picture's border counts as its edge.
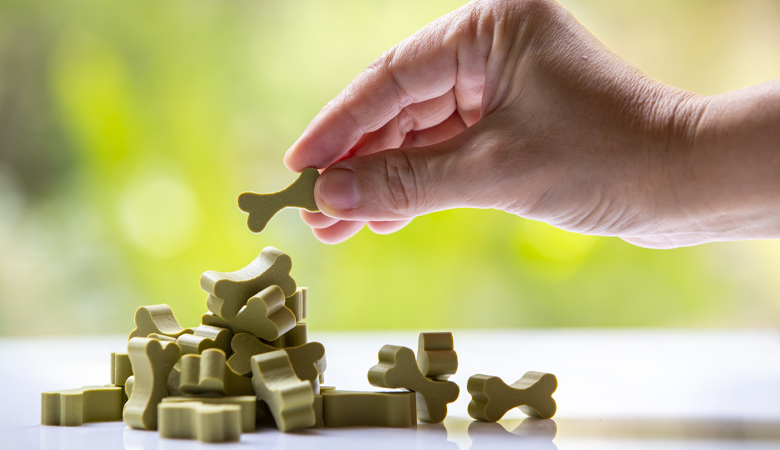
(122, 393)
(491, 398)
(317, 405)
(247, 403)
(120, 368)
(157, 319)
(129, 386)
(208, 374)
(290, 399)
(265, 418)
(436, 356)
(228, 292)
(308, 360)
(152, 363)
(78, 406)
(264, 316)
(293, 338)
(164, 338)
(298, 303)
(204, 337)
(368, 409)
(397, 368)
(196, 420)
(262, 207)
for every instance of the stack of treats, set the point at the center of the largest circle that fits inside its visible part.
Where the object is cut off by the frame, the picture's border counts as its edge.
(249, 363)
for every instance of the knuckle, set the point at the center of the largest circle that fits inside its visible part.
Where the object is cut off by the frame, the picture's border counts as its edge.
(386, 64)
(405, 178)
(405, 122)
(484, 5)
(524, 8)
(384, 61)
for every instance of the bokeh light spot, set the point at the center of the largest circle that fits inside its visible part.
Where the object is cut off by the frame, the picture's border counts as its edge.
(159, 214)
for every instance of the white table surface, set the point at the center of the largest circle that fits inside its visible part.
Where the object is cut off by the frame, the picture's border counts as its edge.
(617, 389)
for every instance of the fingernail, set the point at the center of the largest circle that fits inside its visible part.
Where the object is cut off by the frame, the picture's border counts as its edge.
(338, 190)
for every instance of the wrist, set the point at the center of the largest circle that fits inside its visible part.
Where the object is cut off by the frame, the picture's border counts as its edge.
(729, 183)
(656, 184)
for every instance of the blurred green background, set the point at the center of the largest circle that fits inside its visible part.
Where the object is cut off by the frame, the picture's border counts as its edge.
(128, 129)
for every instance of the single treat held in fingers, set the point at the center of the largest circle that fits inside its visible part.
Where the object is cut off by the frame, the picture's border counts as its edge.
(262, 207)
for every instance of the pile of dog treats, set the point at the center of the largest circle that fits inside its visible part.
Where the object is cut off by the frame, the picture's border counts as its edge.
(249, 363)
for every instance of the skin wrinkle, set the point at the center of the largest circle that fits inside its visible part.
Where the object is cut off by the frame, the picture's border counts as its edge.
(423, 175)
(681, 114)
(578, 217)
(615, 215)
(440, 114)
(404, 99)
(405, 123)
(467, 34)
(399, 193)
(491, 88)
(689, 177)
(379, 120)
(360, 129)
(420, 138)
(627, 218)
(393, 134)
(584, 220)
(457, 70)
(509, 85)
(379, 65)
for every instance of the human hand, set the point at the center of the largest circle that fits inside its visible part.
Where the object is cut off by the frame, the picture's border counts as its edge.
(511, 105)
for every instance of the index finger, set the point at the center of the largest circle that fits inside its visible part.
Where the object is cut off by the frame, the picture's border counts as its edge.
(422, 67)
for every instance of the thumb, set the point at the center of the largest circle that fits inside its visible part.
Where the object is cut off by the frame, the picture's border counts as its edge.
(404, 182)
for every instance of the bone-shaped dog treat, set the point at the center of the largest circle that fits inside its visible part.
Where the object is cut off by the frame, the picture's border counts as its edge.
(196, 420)
(293, 338)
(436, 356)
(121, 368)
(77, 406)
(157, 319)
(124, 396)
(317, 405)
(173, 380)
(204, 337)
(164, 338)
(247, 403)
(264, 316)
(208, 373)
(308, 360)
(172, 385)
(298, 303)
(491, 398)
(290, 399)
(214, 320)
(228, 292)
(152, 363)
(397, 368)
(265, 418)
(129, 387)
(262, 207)
(368, 409)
